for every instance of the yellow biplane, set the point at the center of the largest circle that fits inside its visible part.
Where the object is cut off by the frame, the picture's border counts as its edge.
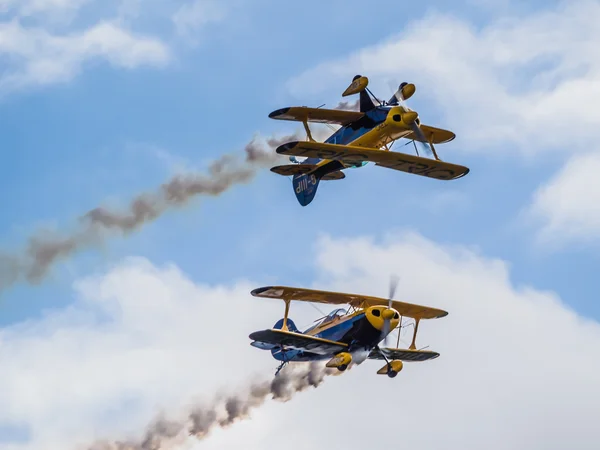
(343, 336)
(365, 136)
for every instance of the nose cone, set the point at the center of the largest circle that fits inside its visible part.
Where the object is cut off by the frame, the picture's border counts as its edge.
(409, 117)
(388, 314)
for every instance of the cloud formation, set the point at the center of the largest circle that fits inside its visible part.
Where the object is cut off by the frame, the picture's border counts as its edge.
(501, 87)
(517, 367)
(500, 84)
(40, 58)
(568, 205)
(191, 16)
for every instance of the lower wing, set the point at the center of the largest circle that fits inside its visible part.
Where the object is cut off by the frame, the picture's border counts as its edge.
(299, 169)
(298, 341)
(393, 160)
(403, 354)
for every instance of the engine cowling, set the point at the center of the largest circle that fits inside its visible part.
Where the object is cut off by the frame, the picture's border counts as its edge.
(401, 117)
(377, 315)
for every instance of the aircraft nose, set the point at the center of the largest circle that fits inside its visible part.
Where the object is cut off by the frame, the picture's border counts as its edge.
(387, 314)
(409, 117)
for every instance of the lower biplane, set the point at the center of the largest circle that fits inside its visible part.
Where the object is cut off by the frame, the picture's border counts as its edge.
(343, 336)
(365, 136)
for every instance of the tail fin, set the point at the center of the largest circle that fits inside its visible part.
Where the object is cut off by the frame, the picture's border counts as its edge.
(366, 104)
(290, 325)
(305, 187)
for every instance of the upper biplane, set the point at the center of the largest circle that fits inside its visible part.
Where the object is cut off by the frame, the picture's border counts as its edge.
(365, 136)
(344, 336)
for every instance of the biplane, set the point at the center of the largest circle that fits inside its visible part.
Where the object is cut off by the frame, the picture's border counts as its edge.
(344, 336)
(364, 136)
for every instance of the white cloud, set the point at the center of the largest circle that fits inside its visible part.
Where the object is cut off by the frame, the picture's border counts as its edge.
(517, 367)
(37, 57)
(194, 15)
(568, 206)
(524, 83)
(34, 7)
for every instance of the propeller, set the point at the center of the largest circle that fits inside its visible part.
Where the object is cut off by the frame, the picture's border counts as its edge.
(405, 91)
(388, 314)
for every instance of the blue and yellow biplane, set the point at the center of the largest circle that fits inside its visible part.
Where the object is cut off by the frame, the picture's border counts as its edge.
(365, 136)
(343, 336)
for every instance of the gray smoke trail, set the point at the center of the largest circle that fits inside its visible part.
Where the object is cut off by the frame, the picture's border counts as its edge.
(223, 410)
(348, 106)
(43, 250)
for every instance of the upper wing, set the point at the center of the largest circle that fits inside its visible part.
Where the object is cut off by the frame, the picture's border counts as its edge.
(403, 354)
(393, 160)
(304, 113)
(435, 135)
(298, 341)
(339, 298)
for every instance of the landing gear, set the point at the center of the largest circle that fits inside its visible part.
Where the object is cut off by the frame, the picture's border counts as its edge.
(342, 367)
(391, 372)
(281, 366)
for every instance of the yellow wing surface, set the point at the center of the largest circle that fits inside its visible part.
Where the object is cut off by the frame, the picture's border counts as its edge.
(339, 298)
(403, 354)
(320, 115)
(393, 160)
(298, 341)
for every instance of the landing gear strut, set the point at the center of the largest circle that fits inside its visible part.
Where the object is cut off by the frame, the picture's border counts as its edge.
(281, 366)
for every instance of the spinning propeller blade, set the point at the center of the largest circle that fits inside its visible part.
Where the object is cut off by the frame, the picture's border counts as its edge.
(405, 91)
(386, 323)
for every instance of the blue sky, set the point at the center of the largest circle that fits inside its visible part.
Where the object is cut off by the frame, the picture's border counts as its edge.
(70, 146)
(119, 122)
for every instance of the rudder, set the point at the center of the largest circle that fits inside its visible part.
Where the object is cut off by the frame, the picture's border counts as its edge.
(305, 187)
(290, 325)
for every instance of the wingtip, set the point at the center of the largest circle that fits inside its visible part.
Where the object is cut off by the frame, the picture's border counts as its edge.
(256, 292)
(278, 112)
(286, 147)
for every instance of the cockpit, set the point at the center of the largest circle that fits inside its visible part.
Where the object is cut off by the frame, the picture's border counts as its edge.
(333, 316)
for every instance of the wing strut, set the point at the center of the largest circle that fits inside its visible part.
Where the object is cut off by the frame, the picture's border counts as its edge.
(399, 331)
(285, 315)
(307, 129)
(412, 345)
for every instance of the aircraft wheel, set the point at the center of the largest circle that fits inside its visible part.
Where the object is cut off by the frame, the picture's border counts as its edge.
(342, 367)
(392, 373)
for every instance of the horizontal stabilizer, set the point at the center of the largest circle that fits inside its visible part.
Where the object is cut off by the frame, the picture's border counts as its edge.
(293, 169)
(318, 115)
(393, 160)
(298, 341)
(403, 354)
(435, 135)
(339, 175)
